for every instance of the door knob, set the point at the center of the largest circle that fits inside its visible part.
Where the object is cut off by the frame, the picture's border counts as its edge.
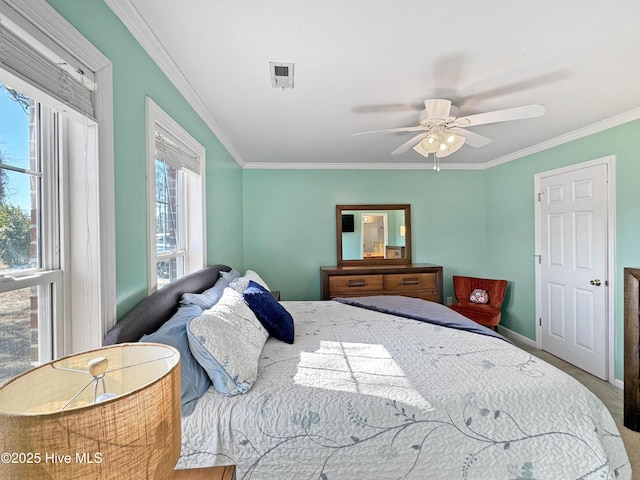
(595, 282)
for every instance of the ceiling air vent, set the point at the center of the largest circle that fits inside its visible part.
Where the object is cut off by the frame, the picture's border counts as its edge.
(281, 75)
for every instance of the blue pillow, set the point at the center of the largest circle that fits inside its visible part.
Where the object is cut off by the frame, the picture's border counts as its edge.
(231, 275)
(194, 381)
(273, 316)
(208, 298)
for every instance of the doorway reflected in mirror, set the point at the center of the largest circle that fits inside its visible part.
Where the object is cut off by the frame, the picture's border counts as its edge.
(373, 233)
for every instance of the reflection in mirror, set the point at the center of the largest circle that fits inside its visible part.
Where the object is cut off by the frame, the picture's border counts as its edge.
(373, 233)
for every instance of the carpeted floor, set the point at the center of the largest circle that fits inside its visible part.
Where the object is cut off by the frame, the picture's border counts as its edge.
(611, 396)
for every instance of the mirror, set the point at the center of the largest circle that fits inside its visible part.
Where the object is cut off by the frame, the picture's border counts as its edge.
(373, 234)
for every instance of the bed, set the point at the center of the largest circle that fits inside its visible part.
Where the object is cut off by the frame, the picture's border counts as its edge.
(374, 389)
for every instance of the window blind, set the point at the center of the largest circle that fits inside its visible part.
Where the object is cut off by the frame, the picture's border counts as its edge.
(176, 156)
(32, 66)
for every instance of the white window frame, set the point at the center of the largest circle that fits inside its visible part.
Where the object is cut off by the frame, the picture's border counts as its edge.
(47, 276)
(192, 217)
(88, 294)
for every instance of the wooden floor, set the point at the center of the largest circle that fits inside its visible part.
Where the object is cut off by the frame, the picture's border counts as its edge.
(611, 396)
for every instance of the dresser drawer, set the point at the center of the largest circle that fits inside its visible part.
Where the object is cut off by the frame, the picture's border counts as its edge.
(355, 284)
(410, 282)
(421, 281)
(432, 296)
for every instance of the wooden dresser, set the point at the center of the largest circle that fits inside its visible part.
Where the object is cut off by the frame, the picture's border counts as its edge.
(418, 280)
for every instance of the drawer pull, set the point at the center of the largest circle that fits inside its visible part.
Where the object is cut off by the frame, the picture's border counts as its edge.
(410, 281)
(356, 283)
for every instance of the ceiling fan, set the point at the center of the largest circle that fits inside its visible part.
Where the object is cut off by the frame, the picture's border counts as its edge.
(443, 132)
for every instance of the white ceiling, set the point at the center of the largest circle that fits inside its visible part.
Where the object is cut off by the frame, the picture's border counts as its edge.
(365, 65)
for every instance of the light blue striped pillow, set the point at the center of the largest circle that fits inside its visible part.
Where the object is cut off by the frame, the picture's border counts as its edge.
(227, 341)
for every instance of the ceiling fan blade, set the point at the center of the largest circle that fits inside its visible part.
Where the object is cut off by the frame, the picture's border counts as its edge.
(517, 113)
(471, 138)
(409, 144)
(390, 130)
(386, 108)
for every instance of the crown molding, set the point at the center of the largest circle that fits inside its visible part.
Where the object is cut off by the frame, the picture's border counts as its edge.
(361, 166)
(569, 137)
(592, 129)
(133, 21)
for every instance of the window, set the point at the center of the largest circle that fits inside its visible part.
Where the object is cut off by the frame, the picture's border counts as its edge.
(56, 185)
(176, 199)
(29, 257)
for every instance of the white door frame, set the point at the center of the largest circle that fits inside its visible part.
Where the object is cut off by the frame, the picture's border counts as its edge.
(385, 223)
(610, 190)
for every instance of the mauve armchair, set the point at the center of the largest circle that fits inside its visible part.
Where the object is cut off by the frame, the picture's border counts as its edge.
(487, 314)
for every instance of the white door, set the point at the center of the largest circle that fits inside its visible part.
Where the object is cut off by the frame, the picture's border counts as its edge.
(374, 234)
(573, 267)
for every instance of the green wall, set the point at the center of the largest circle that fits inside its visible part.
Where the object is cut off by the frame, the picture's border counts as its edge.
(470, 222)
(136, 76)
(510, 234)
(289, 220)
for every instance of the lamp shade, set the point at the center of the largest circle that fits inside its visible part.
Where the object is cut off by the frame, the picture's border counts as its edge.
(111, 413)
(441, 143)
(452, 143)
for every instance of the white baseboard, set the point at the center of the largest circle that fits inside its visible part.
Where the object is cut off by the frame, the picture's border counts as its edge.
(514, 336)
(511, 335)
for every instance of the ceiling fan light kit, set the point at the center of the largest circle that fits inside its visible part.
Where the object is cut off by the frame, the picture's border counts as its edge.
(441, 144)
(442, 131)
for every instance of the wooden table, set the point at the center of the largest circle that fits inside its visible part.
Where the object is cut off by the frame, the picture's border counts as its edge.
(210, 473)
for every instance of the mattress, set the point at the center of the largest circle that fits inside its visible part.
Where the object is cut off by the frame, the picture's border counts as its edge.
(368, 395)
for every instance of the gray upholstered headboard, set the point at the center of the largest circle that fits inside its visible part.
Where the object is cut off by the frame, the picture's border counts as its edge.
(148, 315)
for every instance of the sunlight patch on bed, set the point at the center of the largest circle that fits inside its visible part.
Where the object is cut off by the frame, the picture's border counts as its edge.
(361, 368)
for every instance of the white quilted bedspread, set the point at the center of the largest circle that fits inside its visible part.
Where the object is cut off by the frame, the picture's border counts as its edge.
(363, 395)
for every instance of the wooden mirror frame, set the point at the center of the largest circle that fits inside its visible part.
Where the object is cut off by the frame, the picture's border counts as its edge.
(373, 208)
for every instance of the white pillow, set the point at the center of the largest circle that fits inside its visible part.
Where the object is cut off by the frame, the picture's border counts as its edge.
(240, 284)
(227, 341)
